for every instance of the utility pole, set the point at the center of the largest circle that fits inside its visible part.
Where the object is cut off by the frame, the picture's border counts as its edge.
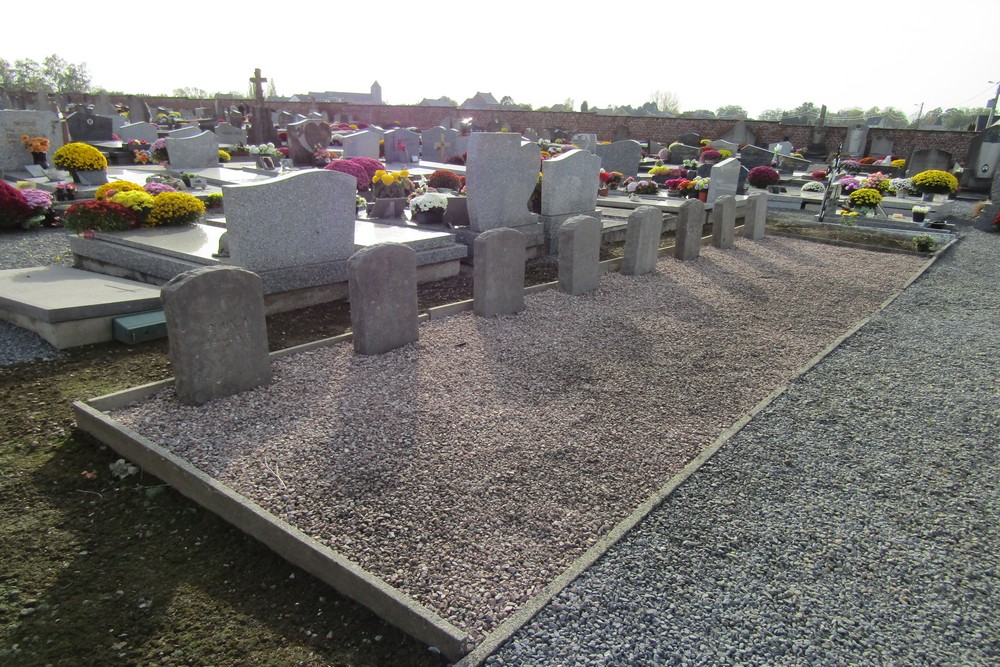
(919, 114)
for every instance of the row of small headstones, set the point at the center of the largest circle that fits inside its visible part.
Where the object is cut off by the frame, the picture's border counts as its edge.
(218, 347)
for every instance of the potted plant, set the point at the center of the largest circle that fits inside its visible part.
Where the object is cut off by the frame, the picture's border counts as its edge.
(85, 162)
(65, 192)
(390, 189)
(901, 186)
(660, 174)
(864, 200)
(814, 186)
(38, 147)
(646, 188)
(429, 208)
(444, 179)
(158, 151)
(701, 185)
(920, 212)
(763, 176)
(934, 182)
(673, 187)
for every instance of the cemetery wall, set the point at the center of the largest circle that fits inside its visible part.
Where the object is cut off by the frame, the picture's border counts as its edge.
(664, 130)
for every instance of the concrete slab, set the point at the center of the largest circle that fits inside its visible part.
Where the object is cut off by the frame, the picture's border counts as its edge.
(69, 307)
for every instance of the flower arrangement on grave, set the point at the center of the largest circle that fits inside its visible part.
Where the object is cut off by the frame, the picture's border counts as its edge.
(704, 142)
(865, 198)
(628, 184)
(40, 202)
(725, 153)
(213, 200)
(879, 181)
(262, 149)
(646, 188)
(139, 202)
(444, 179)
(157, 187)
(867, 160)
(224, 156)
(360, 202)
(78, 156)
(352, 168)
(798, 155)
(175, 208)
(38, 147)
(544, 155)
(763, 176)
(849, 183)
(898, 164)
(158, 151)
(98, 215)
(663, 153)
(456, 159)
(429, 202)
(141, 157)
(851, 166)
(14, 207)
(391, 184)
(934, 181)
(996, 223)
(921, 209)
(611, 179)
(901, 186)
(847, 214)
(711, 156)
(814, 186)
(65, 192)
(924, 242)
(690, 164)
(819, 175)
(108, 190)
(701, 183)
(283, 151)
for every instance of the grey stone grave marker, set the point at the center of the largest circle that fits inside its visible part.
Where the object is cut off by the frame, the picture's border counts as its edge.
(725, 179)
(440, 143)
(587, 142)
(305, 137)
(857, 137)
(218, 346)
(623, 156)
(680, 152)
(15, 123)
(230, 135)
(569, 188)
(498, 274)
(756, 216)
(642, 240)
(139, 132)
(382, 281)
(690, 222)
(402, 145)
(740, 134)
(502, 173)
(882, 146)
(184, 132)
(530, 134)
(85, 126)
(724, 221)
(361, 144)
(922, 159)
(200, 151)
(722, 144)
(690, 139)
(579, 255)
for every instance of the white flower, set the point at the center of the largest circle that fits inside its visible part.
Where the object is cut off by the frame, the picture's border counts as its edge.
(632, 186)
(429, 201)
(253, 150)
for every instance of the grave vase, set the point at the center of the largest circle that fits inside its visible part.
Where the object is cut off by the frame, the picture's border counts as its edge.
(41, 159)
(434, 216)
(703, 195)
(389, 207)
(602, 192)
(918, 216)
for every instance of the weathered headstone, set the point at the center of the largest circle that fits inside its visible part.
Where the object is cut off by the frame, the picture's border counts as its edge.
(440, 143)
(857, 138)
(402, 145)
(299, 219)
(690, 222)
(724, 221)
(579, 255)
(621, 133)
(755, 156)
(218, 346)
(139, 132)
(14, 124)
(984, 159)
(755, 216)
(200, 151)
(882, 146)
(530, 134)
(261, 126)
(722, 144)
(501, 174)
(569, 187)
(103, 105)
(229, 135)
(642, 240)
(85, 126)
(587, 142)
(922, 159)
(382, 281)
(305, 138)
(138, 110)
(498, 274)
(690, 139)
(623, 156)
(361, 144)
(725, 179)
(185, 132)
(740, 134)
(781, 147)
(680, 152)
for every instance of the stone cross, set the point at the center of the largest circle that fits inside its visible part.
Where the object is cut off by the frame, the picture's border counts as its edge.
(258, 88)
(440, 145)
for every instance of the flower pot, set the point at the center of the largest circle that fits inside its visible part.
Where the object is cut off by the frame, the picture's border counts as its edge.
(919, 217)
(602, 192)
(41, 159)
(673, 193)
(703, 195)
(435, 216)
(389, 207)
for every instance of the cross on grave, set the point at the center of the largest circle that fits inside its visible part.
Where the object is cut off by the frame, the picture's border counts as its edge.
(440, 145)
(258, 88)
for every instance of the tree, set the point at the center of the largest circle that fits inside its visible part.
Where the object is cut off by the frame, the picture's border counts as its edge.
(698, 113)
(52, 75)
(731, 111)
(506, 101)
(197, 93)
(569, 104)
(666, 101)
(770, 114)
(272, 90)
(584, 107)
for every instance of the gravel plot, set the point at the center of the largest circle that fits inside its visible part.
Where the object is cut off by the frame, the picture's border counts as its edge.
(20, 250)
(470, 468)
(853, 522)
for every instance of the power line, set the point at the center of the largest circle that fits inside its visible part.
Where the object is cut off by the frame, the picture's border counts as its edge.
(985, 90)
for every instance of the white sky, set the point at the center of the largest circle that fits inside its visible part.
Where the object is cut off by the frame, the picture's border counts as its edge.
(709, 53)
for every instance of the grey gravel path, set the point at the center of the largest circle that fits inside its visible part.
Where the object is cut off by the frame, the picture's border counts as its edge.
(853, 522)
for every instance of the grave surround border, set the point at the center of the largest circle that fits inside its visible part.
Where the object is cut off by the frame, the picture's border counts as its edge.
(346, 576)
